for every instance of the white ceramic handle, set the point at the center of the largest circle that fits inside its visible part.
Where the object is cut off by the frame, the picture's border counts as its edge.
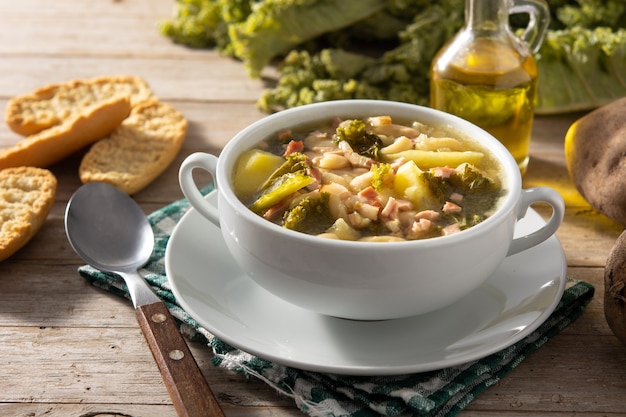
(534, 195)
(208, 163)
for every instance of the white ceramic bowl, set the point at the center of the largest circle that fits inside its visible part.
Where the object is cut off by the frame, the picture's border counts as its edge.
(365, 280)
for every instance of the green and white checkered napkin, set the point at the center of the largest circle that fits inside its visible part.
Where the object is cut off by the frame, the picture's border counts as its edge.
(443, 392)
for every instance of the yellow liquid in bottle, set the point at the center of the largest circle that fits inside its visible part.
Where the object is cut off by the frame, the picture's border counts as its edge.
(492, 86)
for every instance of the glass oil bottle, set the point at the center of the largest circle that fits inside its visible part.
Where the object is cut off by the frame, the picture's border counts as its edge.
(488, 76)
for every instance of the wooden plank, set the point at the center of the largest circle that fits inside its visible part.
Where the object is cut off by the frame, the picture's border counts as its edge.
(569, 381)
(170, 78)
(64, 27)
(112, 366)
(61, 10)
(130, 410)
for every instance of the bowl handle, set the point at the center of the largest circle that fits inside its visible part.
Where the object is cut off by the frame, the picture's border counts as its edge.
(208, 163)
(534, 195)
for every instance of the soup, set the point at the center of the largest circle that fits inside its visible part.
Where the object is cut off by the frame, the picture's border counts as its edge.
(371, 179)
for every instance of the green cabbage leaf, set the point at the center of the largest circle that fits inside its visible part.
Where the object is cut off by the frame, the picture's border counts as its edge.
(382, 49)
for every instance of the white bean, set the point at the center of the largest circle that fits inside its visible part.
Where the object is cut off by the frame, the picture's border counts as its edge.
(332, 160)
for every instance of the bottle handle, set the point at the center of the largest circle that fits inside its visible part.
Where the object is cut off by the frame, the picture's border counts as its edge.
(539, 15)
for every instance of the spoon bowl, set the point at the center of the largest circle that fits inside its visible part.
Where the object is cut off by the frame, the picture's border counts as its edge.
(110, 232)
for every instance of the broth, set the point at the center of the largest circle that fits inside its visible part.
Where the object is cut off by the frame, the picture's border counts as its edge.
(372, 179)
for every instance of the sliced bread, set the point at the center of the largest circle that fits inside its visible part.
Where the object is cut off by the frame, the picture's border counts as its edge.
(56, 103)
(26, 197)
(48, 146)
(139, 150)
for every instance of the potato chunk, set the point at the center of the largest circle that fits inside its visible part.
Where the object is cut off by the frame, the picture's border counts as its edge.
(254, 167)
(409, 184)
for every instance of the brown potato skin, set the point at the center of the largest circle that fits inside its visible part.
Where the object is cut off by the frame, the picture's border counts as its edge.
(615, 289)
(595, 151)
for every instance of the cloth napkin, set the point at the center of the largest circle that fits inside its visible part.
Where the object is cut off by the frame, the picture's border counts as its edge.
(440, 393)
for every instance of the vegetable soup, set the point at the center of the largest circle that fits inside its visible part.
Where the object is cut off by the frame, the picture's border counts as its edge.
(371, 179)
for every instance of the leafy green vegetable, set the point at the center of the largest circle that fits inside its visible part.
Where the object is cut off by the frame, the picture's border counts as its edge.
(294, 162)
(382, 176)
(310, 215)
(590, 14)
(399, 74)
(360, 140)
(290, 177)
(581, 63)
(204, 23)
(256, 31)
(581, 69)
(473, 186)
(276, 26)
(281, 188)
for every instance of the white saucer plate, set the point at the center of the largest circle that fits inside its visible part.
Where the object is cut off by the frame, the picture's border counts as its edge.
(513, 302)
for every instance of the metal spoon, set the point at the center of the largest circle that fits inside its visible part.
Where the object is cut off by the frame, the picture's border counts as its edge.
(109, 231)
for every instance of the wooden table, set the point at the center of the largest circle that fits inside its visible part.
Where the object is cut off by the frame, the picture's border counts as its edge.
(68, 349)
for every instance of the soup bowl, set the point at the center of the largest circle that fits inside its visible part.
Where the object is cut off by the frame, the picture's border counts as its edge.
(366, 280)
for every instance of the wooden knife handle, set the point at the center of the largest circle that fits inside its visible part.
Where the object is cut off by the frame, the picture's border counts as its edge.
(184, 381)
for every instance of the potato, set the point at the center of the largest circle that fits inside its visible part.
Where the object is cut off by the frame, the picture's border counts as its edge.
(595, 151)
(615, 288)
(409, 183)
(254, 167)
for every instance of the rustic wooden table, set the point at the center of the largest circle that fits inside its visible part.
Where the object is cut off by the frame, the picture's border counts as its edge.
(68, 349)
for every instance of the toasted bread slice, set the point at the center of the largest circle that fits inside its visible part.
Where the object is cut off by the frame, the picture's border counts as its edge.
(139, 150)
(53, 144)
(26, 197)
(56, 103)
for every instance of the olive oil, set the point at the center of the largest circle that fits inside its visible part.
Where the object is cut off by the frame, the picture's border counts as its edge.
(492, 86)
(487, 75)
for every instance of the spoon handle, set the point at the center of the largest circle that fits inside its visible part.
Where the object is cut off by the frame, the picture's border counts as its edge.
(184, 381)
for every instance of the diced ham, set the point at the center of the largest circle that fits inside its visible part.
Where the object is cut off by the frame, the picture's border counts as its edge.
(276, 210)
(419, 228)
(391, 209)
(443, 172)
(431, 215)
(294, 146)
(394, 206)
(370, 194)
(314, 173)
(450, 229)
(456, 197)
(452, 208)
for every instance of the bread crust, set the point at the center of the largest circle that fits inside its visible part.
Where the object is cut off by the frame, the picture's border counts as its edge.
(139, 150)
(53, 144)
(55, 103)
(26, 198)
